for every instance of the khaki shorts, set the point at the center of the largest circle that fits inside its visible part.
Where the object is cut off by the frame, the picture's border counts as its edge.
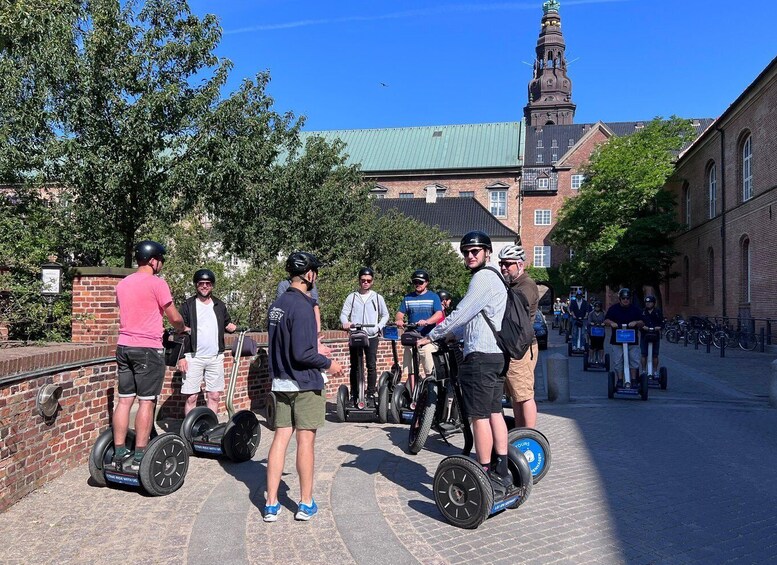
(520, 376)
(304, 410)
(425, 359)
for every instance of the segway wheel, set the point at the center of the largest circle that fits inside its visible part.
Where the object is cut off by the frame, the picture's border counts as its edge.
(270, 410)
(197, 422)
(585, 362)
(423, 417)
(342, 400)
(643, 387)
(102, 454)
(383, 403)
(241, 436)
(611, 384)
(462, 492)
(607, 361)
(164, 465)
(535, 448)
(385, 378)
(663, 377)
(400, 400)
(521, 473)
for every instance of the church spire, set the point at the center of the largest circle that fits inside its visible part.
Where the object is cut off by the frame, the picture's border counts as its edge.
(550, 90)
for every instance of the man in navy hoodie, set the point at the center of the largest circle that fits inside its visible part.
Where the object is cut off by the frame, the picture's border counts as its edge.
(295, 367)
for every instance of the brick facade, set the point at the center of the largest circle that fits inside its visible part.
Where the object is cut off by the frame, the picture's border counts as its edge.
(712, 260)
(95, 312)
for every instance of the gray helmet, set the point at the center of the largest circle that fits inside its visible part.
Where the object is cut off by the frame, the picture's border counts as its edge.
(476, 239)
(204, 275)
(301, 262)
(147, 250)
(444, 294)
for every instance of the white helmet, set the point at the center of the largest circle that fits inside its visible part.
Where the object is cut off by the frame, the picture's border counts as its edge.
(514, 252)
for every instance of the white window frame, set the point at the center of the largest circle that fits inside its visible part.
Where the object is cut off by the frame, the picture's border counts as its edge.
(539, 158)
(407, 195)
(747, 168)
(541, 256)
(497, 201)
(542, 217)
(712, 185)
(577, 181)
(466, 194)
(543, 182)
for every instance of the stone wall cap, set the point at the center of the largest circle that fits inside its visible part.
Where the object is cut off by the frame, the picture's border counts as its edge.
(102, 271)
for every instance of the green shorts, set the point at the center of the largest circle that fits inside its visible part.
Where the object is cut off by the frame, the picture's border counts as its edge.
(305, 410)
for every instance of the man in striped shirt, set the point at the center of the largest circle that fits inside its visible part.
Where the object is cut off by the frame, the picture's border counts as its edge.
(482, 375)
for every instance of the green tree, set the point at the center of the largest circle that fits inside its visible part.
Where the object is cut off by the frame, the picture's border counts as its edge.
(622, 223)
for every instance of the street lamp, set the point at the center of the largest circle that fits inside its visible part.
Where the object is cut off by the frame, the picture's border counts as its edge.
(51, 287)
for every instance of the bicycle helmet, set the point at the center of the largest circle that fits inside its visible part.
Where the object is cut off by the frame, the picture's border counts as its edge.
(366, 271)
(514, 252)
(204, 275)
(624, 293)
(420, 274)
(301, 262)
(444, 294)
(147, 250)
(475, 239)
(650, 298)
(598, 304)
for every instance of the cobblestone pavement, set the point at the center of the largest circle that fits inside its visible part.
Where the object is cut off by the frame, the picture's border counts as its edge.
(686, 477)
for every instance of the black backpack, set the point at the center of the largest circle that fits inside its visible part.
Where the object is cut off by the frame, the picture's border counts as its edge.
(517, 333)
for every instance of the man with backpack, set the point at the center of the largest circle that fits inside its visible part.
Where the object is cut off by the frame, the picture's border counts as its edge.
(520, 373)
(477, 319)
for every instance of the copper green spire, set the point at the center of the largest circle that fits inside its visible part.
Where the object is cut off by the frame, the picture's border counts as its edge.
(551, 6)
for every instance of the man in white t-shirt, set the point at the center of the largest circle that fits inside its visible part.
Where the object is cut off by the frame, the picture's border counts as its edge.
(208, 319)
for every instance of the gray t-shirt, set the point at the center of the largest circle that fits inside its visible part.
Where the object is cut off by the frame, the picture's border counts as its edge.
(284, 285)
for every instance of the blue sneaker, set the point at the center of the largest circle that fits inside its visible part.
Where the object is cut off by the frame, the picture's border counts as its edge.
(305, 512)
(271, 512)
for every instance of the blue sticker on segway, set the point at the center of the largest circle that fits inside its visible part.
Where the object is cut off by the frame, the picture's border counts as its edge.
(505, 503)
(597, 331)
(407, 416)
(625, 336)
(391, 333)
(533, 453)
(207, 448)
(122, 479)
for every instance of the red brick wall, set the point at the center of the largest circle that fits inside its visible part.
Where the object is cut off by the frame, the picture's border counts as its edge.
(95, 313)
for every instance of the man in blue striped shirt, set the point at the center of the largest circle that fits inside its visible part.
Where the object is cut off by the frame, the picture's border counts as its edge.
(482, 375)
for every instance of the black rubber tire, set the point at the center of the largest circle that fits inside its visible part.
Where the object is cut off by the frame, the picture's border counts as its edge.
(400, 400)
(164, 465)
(533, 442)
(462, 492)
(102, 454)
(197, 422)
(643, 387)
(383, 404)
(385, 379)
(663, 378)
(521, 473)
(672, 336)
(342, 400)
(242, 436)
(270, 410)
(607, 361)
(747, 341)
(423, 417)
(611, 384)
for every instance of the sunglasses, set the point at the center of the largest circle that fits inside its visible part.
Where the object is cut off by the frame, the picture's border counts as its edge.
(507, 263)
(365, 281)
(418, 282)
(472, 252)
(204, 283)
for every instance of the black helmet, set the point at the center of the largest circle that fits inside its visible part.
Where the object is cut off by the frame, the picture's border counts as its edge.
(301, 262)
(147, 250)
(624, 293)
(598, 304)
(366, 271)
(420, 274)
(444, 294)
(476, 239)
(204, 275)
(650, 298)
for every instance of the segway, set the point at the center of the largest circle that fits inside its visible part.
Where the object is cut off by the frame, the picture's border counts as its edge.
(403, 399)
(237, 438)
(162, 469)
(624, 387)
(652, 335)
(389, 379)
(596, 330)
(346, 408)
(578, 346)
(462, 489)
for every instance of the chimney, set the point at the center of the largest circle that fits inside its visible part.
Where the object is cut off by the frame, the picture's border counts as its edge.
(431, 194)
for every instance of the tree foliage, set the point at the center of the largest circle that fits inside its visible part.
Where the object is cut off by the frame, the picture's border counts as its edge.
(622, 223)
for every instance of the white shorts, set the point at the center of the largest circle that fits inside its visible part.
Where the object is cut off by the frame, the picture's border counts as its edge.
(616, 357)
(210, 369)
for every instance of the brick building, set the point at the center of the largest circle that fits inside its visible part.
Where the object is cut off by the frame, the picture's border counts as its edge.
(726, 187)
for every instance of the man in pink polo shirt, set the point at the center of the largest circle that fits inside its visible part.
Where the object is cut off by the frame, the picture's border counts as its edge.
(143, 300)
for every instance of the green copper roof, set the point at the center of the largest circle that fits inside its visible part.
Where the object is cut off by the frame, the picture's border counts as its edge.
(467, 146)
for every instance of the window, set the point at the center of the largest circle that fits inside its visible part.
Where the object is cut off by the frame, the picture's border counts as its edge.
(234, 260)
(498, 200)
(554, 157)
(466, 194)
(571, 142)
(543, 182)
(539, 157)
(712, 185)
(746, 274)
(542, 255)
(440, 193)
(577, 181)
(406, 195)
(571, 254)
(379, 195)
(554, 144)
(542, 217)
(539, 143)
(747, 169)
(710, 276)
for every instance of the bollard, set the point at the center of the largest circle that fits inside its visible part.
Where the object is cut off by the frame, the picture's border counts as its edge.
(709, 344)
(773, 386)
(558, 378)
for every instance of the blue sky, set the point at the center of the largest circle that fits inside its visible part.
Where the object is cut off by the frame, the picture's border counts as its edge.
(462, 62)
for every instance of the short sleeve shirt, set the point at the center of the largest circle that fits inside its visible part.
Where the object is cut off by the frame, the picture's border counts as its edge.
(142, 299)
(419, 307)
(621, 315)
